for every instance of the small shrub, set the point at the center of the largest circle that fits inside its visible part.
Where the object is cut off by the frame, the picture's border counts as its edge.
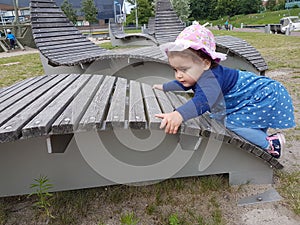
(41, 190)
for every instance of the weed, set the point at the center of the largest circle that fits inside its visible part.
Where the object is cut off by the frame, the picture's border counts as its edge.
(129, 219)
(41, 190)
(173, 219)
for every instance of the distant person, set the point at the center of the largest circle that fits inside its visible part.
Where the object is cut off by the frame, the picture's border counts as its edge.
(12, 39)
(226, 24)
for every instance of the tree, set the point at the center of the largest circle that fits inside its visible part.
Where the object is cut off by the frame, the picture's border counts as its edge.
(203, 9)
(227, 7)
(182, 8)
(69, 11)
(247, 7)
(144, 10)
(89, 10)
(271, 4)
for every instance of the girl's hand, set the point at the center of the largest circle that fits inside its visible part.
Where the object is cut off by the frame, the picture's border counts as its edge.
(170, 121)
(158, 86)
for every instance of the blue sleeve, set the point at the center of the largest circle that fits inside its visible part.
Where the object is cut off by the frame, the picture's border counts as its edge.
(207, 92)
(174, 86)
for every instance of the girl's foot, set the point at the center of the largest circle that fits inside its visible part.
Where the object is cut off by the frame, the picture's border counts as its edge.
(277, 142)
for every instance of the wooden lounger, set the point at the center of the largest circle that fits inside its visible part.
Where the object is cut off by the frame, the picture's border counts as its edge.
(63, 49)
(93, 130)
(119, 38)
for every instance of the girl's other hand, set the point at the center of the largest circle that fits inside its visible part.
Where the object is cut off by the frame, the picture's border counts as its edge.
(170, 121)
(158, 86)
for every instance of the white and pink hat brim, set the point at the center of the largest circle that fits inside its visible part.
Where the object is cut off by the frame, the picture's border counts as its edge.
(195, 37)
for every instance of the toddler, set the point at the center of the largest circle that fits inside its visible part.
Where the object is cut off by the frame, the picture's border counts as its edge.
(246, 103)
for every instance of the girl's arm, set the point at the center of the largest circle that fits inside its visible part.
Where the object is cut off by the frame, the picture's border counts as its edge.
(171, 86)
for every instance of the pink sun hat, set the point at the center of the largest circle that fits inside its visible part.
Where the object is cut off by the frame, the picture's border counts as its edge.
(196, 37)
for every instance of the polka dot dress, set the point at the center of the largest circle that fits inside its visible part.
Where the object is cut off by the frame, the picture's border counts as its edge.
(259, 102)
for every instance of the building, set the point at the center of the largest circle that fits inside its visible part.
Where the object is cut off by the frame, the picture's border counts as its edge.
(292, 3)
(107, 9)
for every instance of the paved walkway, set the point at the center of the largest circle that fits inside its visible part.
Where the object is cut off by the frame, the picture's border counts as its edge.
(18, 52)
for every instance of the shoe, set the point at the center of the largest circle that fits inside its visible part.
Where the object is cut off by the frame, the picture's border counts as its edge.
(277, 142)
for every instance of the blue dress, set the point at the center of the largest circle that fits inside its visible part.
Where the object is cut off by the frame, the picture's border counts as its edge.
(259, 102)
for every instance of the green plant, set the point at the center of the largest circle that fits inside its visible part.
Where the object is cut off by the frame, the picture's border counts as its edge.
(173, 219)
(17, 68)
(129, 219)
(41, 190)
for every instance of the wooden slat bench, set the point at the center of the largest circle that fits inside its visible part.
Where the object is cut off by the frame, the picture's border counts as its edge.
(95, 130)
(119, 38)
(238, 51)
(63, 49)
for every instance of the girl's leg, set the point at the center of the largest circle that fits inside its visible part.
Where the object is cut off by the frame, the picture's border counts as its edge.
(255, 136)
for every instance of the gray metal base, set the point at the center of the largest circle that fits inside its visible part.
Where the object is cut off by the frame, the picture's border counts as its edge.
(122, 156)
(268, 196)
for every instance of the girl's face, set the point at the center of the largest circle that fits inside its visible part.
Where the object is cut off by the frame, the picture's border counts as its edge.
(188, 69)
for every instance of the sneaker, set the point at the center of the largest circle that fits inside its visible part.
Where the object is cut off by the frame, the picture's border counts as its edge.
(277, 142)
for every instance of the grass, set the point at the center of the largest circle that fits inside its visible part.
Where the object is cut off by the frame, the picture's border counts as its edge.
(289, 188)
(18, 68)
(279, 51)
(178, 201)
(268, 17)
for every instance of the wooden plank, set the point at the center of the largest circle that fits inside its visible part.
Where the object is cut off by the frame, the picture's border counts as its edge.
(11, 130)
(47, 15)
(46, 10)
(17, 96)
(63, 47)
(151, 107)
(219, 128)
(70, 56)
(68, 121)
(43, 5)
(53, 40)
(189, 127)
(49, 25)
(117, 109)
(95, 113)
(49, 20)
(39, 35)
(9, 112)
(137, 119)
(60, 43)
(10, 91)
(43, 1)
(54, 29)
(163, 101)
(41, 123)
(77, 49)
